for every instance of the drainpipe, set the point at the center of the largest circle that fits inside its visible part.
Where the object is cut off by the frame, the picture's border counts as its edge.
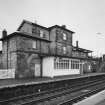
(7, 54)
(4, 35)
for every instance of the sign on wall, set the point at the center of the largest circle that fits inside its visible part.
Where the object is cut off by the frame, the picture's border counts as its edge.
(5, 74)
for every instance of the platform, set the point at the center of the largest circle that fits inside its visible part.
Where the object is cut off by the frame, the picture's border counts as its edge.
(101, 102)
(97, 99)
(16, 82)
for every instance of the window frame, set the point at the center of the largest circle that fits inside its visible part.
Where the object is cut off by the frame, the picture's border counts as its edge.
(41, 33)
(34, 44)
(64, 36)
(64, 49)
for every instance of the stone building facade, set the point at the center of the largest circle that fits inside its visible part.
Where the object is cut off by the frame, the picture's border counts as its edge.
(37, 51)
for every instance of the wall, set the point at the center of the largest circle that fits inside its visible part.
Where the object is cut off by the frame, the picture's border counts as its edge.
(57, 42)
(34, 30)
(65, 72)
(44, 47)
(4, 54)
(59, 36)
(5, 74)
(56, 34)
(79, 54)
(26, 28)
(26, 44)
(22, 56)
(47, 65)
(26, 64)
(1, 63)
(9, 52)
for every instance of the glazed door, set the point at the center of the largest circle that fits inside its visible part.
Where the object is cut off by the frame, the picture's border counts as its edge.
(37, 70)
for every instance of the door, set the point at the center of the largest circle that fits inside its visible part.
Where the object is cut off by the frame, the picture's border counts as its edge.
(81, 68)
(37, 70)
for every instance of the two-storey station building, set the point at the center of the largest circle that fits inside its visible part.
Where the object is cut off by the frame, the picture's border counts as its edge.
(38, 51)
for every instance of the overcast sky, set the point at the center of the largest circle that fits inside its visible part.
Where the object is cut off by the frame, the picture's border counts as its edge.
(85, 17)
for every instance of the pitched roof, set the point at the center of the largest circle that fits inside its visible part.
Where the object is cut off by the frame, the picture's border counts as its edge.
(49, 28)
(57, 26)
(24, 35)
(34, 24)
(81, 49)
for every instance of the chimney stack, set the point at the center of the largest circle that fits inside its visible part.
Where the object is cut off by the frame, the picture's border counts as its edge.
(4, 33)
(77, 44)
(64, 26)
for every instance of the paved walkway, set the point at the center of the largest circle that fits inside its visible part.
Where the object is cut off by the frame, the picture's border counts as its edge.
(97, 99)
(101, 103)
(15, 82)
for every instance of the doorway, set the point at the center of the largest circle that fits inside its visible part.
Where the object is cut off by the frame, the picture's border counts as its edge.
(37, 70)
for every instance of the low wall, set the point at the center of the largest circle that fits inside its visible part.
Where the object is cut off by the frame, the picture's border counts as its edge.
(5, 74)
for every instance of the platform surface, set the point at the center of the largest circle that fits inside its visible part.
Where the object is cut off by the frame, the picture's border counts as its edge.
(97, 99)
(37, 80)
(101, 103)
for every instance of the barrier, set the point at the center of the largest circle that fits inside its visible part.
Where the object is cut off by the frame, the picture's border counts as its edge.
(7, 73)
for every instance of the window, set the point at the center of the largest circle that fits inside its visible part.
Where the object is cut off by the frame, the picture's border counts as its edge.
(64, 50)
(41, 33)
(64, 36)
(33, 30)
(66, 64)
(75, 64)
(60, 63)
(34, 44)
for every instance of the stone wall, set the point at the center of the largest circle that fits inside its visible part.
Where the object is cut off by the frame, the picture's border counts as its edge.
(26, 44)
(35, 30)
(4, 54)
(8, 48)
(57, 42)
(26, 64)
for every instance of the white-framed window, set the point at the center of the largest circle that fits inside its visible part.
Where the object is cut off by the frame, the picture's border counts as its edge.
(34, 44)
(41, 34)
(64, 36)
(75, 64)
(64, 63)
(60, 63)
(64, 50)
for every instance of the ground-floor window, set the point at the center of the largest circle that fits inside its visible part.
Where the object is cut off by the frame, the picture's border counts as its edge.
(64, 63)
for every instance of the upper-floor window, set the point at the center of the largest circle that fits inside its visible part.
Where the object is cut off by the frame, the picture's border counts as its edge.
(34, 45)
(64, 36)
(64, 50)
(33, 30)
(41, 34)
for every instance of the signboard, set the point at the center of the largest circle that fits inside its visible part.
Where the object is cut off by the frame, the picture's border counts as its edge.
(5, 74)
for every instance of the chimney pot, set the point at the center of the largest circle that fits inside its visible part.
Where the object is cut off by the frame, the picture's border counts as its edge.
(64, 26)
(4, 33)
(77, 44)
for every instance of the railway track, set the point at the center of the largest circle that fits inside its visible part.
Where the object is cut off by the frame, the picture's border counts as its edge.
(35, 99)
(70, 94)
(81, 96)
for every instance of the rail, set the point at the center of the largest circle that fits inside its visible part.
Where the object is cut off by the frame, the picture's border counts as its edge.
(33, 99)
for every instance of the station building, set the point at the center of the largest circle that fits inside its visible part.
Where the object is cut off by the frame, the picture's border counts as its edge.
(37, 51)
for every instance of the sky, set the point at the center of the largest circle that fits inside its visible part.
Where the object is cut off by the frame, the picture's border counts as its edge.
(85, 17)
